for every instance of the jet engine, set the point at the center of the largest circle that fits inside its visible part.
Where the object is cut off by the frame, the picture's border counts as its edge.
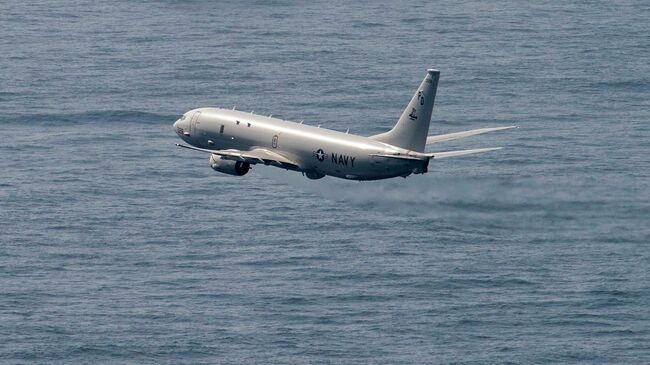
(229, 167)
(313, 175)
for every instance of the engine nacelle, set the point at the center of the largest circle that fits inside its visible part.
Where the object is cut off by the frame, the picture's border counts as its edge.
(313, 175)
(229, 167)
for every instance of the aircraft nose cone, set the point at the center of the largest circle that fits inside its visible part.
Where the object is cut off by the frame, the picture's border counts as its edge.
(175, 125)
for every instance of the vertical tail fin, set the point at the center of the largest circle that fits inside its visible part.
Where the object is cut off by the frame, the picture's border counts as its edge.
(412, 128)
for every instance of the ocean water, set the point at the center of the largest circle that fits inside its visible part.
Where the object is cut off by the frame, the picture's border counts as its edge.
(118, 247)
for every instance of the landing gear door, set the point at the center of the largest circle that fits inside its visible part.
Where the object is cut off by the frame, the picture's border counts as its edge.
(193, 123)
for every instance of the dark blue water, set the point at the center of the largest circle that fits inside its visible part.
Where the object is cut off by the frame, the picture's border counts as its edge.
(117, 247)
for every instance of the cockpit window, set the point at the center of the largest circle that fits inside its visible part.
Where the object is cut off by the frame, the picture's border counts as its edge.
(183, 117)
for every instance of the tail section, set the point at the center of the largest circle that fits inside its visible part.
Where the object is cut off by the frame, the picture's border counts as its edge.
(411, 130)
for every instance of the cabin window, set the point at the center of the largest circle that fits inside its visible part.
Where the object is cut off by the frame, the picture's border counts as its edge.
(249, 124)
(237, 122)
(221, 129)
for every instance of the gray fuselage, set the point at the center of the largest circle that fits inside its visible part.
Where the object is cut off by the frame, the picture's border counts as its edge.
(316, 151)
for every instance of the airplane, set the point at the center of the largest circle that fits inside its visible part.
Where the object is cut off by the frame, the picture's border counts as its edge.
(235, 140)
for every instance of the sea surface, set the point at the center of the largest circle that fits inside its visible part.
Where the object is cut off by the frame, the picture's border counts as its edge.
(116, 247)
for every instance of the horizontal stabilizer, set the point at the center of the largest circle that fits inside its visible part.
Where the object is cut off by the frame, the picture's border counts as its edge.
(418, 157)
(439, 155)
(459, 135)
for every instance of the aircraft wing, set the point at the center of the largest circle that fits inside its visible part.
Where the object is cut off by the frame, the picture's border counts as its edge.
(459, 135)
(254, 156)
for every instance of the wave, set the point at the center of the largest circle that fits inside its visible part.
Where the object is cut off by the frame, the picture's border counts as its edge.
(635, 85)
(95, 117)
